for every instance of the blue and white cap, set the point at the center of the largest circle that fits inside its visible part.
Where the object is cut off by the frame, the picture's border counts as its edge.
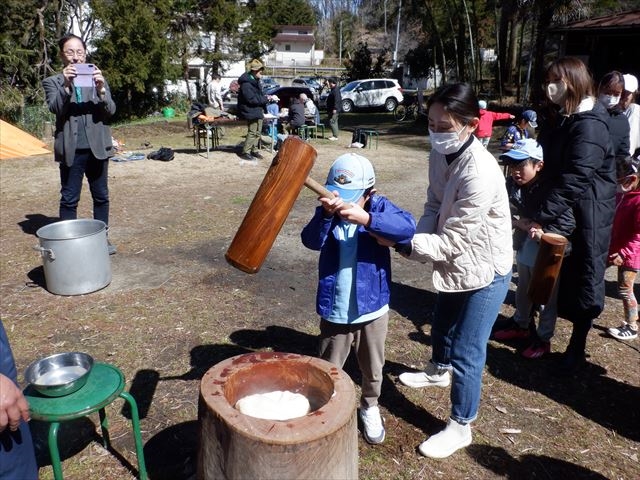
(350, 175)
(523, 150)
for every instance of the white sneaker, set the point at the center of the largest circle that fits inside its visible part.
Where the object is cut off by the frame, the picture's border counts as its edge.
(432, 376)
(372, 426)
(443, 444)
(333, 139)
(623, 332)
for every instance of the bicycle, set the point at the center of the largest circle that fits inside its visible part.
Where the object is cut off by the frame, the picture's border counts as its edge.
(409, 111)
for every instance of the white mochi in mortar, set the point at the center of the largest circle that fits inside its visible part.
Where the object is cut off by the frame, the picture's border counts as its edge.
(276, 405)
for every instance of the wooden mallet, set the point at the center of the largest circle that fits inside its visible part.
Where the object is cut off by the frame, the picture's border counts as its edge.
(546, 269)
(288, 173)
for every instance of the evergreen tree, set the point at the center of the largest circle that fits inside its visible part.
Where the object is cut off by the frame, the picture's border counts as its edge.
(135, 53)
(360, 65)
(29, 30)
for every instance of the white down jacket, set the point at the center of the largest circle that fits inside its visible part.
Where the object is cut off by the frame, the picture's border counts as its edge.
(466, 226)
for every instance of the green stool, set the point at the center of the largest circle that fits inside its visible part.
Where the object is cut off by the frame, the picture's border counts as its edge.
(302, 132)
(104, 385)
(311, 131)
(371, 132)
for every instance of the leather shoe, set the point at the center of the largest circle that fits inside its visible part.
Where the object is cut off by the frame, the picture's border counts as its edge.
(256, 155)
(246, 156)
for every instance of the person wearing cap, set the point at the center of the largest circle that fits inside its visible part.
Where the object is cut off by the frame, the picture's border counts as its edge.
(334, 107)
(609, 93)
(487, 117)
(631, 110)
(354, 278)
(251, 106)
(526, 192)
(518, 130)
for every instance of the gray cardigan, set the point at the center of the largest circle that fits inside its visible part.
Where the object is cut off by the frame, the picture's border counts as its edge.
(94, 112)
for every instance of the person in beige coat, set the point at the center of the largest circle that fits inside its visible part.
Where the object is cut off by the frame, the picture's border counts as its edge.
(465, 232)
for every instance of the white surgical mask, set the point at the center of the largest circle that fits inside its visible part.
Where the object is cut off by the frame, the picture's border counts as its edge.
(446, 142)
(556, 91)
(609, 101)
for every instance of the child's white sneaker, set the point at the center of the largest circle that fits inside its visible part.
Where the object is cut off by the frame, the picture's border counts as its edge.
(432, 376)
(623, 332)
(372, 426)
(443, 444)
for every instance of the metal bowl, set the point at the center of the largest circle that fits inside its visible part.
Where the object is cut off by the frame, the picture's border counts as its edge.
(59, 374)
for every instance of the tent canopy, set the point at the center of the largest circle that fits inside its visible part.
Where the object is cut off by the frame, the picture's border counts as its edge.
(16, 143)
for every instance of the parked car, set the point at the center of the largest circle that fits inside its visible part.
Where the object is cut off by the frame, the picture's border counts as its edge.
(314, 83)
(285, 94)
(267, 83)
(371, 93)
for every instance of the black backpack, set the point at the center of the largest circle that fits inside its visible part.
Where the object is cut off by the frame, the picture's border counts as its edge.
(165, 154)
(360, 137)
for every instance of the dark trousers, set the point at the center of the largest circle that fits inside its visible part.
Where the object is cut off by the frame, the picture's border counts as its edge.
(71, 178)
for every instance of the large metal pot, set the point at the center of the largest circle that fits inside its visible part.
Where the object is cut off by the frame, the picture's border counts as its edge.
(75, 256)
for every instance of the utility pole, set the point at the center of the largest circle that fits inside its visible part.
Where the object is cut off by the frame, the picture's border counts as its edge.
(395, 52)
(385, 18)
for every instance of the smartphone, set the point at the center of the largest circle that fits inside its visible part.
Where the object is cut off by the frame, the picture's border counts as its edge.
(84, 72)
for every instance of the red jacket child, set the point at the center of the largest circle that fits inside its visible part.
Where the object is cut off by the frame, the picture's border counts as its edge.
(625, 236)
(487, 117)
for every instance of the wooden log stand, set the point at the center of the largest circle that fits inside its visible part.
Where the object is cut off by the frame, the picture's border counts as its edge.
(322, 444)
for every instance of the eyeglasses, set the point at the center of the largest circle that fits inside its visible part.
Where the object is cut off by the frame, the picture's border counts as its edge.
(74, 53)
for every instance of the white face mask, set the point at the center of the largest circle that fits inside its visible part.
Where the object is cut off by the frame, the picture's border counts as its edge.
(556, 91)
(609, 101)
(446, 142)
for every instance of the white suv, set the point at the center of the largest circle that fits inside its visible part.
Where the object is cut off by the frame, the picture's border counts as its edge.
(371, 93)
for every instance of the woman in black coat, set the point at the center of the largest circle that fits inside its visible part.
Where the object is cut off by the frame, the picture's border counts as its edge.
(580, 168)
(609, 93)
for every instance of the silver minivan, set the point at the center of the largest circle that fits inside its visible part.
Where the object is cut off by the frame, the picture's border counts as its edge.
(371, 93)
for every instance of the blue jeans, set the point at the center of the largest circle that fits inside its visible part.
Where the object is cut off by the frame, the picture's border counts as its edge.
(459, 335)
(84, 163)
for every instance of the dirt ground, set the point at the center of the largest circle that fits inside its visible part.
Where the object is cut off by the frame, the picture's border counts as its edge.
(175, 308)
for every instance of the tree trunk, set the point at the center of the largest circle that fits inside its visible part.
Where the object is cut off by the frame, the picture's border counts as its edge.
(545, 15)
(513, 51)
(503, 35)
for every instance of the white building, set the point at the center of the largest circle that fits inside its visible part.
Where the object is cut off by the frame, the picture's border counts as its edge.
(295, 45)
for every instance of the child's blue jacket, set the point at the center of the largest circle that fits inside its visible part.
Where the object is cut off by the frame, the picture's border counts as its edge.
(373, 273)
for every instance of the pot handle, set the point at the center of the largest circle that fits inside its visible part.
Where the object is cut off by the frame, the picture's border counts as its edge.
(44, 251)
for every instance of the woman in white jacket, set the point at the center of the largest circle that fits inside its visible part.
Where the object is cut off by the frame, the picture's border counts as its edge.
(466, 232)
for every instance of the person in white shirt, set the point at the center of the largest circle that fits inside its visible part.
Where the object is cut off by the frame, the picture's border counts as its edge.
(214, 93)
(631, 110)
(310, 108)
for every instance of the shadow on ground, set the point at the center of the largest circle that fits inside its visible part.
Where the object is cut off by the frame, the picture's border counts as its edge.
(604, 400)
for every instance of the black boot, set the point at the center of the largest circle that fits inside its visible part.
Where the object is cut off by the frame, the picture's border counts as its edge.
(574, 357)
